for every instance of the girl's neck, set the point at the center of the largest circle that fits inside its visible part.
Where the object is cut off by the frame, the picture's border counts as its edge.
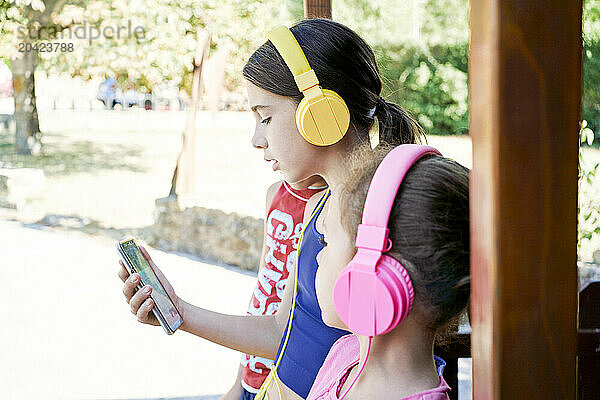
(333, 168)
(330, 167)
(333, 163)
(334, 173)
(314, 182)
(406, 358)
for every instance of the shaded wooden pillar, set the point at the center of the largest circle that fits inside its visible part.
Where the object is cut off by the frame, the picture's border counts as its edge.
(317, 9)
(525, 95)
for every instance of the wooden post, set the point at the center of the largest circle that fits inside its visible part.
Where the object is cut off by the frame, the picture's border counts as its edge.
(317, 9)
(525, 94)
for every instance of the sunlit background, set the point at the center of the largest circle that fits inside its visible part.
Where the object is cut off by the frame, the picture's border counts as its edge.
(91, 132)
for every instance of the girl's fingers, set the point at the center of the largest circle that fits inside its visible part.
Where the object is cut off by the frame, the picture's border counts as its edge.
(144, 310)
(130, 285)
(123, 273)
(138, 299)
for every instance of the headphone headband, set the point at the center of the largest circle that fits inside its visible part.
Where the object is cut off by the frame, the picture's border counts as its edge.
(373, 231)
(289, 49)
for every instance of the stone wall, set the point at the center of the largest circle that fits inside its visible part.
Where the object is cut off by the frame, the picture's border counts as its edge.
(208, 233)
(233, 239)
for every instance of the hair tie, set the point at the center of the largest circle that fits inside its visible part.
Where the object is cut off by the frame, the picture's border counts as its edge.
(380, 103)
(371, 112)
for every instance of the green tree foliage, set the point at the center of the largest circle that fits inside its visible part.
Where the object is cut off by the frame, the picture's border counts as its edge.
(446, 21)
(421, 35)
(422, 53)
(165, 50)
(427, 82)
(591, 19)
(591, 84)
(421, 45)
(295, 8)
(23, 20)
(591, 65)
(589, 202)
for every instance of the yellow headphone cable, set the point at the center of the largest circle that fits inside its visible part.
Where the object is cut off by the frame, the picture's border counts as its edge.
(262, 392)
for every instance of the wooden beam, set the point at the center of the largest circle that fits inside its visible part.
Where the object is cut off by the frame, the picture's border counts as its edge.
(317, 9)
(525, 94)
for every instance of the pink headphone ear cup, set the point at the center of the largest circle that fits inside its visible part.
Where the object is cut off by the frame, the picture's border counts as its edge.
(363, 302)
(373, 304)
(398, 280)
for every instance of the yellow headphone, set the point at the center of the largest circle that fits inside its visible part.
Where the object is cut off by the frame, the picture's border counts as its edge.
(322, 116)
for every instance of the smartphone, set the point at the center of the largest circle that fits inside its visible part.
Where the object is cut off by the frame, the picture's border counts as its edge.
(163, 309)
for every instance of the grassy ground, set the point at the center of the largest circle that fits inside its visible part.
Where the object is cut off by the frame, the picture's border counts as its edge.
(110, 166)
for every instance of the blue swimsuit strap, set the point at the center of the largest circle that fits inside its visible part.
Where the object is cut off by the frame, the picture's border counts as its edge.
(291, 317)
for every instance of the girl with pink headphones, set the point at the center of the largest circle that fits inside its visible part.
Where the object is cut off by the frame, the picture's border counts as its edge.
(394, 272)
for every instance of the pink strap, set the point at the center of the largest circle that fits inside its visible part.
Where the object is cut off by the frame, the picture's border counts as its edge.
(373, 232)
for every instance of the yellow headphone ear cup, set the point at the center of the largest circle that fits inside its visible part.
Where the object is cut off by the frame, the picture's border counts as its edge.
(325, 121)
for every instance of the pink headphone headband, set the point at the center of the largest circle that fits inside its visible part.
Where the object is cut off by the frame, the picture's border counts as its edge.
(387, 180)
(373, 231)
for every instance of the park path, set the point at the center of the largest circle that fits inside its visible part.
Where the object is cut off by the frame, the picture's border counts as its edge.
(67, 332)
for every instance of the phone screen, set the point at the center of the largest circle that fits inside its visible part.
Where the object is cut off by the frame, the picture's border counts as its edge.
(160, 297)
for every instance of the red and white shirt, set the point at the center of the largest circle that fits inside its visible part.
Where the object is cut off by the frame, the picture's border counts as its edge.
(283, 226)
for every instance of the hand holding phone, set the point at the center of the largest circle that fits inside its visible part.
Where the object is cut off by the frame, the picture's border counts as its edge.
(159, 300)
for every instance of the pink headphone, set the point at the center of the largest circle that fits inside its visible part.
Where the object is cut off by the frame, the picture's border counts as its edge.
(373, 294)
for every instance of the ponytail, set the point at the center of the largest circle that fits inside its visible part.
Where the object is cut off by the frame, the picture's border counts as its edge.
(396, 125)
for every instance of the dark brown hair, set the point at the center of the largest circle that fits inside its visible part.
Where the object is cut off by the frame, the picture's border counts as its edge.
(429, 229)
(344, 63)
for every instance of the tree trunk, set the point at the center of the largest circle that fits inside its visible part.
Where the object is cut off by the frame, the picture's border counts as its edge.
(27, 137)
(183, 183)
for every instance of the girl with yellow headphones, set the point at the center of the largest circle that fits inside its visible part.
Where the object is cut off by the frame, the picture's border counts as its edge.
(315, 92)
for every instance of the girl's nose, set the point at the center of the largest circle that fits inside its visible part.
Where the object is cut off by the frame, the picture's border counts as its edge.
(259, 141)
